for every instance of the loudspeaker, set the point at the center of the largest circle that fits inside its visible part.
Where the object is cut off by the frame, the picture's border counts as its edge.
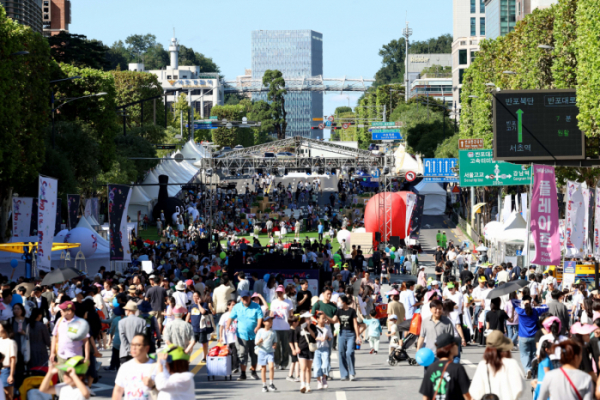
(395, 241)
(378, 236)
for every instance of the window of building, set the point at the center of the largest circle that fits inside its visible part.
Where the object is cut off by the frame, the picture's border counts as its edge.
(460, 75)
(482, 6)
(473, 26)
(168, 76)
(482, 26)
(473, 6)
(473, 56)
(462, 57)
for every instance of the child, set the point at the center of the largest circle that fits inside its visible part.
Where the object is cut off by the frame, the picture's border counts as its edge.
(544, 366)
(321, 356)
(392, 333)
(266, 342)
(73, 387)
(295, 366)
(374, 331)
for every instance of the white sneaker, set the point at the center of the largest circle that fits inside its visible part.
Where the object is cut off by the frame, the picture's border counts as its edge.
(302, 387)
(352, 377)
(319, 385)
(307, 388)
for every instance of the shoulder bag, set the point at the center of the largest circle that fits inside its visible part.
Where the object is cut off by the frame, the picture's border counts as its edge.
(312, 347)
(571, 383)
(441, 378)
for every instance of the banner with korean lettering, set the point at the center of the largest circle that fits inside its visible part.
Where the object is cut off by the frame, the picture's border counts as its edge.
(411, 200)
(117, 198)
(124, 230)
(544, 216)
(46, 219)
(585, 191)
(597, 224)
(574, 216)
(21, 216)
(73, 206)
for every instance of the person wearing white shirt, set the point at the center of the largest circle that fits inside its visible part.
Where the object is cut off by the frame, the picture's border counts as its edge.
(407, 298)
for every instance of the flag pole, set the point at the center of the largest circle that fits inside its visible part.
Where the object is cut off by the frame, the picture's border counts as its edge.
(526, 258)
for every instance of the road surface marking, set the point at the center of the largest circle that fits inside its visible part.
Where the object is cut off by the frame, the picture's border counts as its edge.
(196, 354)
(334, 356)
(336, 375)
(340, 395)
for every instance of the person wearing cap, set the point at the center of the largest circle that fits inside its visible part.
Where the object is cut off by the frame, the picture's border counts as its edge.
(479, 295)
(173, 379)
(281, 310)
(129, 326)
(179, 295)
(392, 332)
(395, 307)
(179, 332)
(434, 326)
(438, 238)
(444, 376)
(266, 343)
(498, 373)
(63, 347)
(249, 320)
(135, 378)
(72, 388)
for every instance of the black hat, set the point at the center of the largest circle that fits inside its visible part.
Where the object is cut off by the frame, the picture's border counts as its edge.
(445, 339)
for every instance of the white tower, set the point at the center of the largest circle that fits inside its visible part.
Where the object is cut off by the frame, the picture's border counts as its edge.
(174, 50)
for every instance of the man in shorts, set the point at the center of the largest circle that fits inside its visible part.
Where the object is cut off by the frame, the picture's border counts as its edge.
(249, 319)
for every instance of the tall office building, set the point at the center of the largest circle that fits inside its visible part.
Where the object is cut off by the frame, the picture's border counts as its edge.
(500, 17)
(469, 29)
(25, 12)
(56, 16)
(296, 54)
(525, 7)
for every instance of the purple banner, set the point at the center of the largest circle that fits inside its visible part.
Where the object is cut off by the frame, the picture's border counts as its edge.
(117, 199)
(58, 219)
(416, 217)
(544, 216)
(73, 205)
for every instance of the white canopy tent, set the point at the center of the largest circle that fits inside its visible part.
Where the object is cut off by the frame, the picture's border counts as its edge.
(405, 162)
(435, 197)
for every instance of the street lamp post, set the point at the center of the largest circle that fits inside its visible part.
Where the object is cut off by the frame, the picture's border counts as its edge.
(68, 101)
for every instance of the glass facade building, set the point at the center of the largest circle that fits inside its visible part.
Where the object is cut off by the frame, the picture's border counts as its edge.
(501, 16)
(296, 54)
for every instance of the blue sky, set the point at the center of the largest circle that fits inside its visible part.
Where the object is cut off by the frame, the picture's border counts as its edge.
(353, 31)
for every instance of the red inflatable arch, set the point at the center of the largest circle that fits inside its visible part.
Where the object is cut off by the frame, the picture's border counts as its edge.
(374, 215)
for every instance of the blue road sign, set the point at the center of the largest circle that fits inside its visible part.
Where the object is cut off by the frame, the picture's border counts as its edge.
(327, 123)
(439, 167)
(386, 134)
(442, 180)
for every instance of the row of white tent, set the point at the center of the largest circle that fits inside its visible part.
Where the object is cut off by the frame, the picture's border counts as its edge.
(143, 197)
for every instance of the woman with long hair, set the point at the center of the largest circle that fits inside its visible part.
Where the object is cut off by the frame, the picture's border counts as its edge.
(497, 373)
(551, 327)
(587, 314)
(528, 327)
(544, 366)
(590, 352)
(567, 382)
(21, 330)
(304, 336)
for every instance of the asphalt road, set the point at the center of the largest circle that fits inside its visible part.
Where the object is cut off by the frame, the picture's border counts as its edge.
(374, 375)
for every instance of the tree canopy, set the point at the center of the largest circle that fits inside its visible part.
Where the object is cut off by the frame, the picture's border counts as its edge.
(274, 80)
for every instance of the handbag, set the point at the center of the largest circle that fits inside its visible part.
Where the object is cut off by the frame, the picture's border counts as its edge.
(312, 347)
(359, 317)
(573, 386)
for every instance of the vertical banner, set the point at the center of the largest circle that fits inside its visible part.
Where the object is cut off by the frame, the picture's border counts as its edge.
(34, 222)
(58, 219)
(117, 198)
(585, 191)
(507, 208)
(21, 216)
(46, 221)
(411, 200)
(597, 224)
(124, 230)
(524, 209)
(73, 205)
(88, 208)
(95, 208)
(574, 220)
(416, 218)
(544, 216)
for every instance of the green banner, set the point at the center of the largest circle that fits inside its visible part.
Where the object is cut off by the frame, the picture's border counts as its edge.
(478, 168)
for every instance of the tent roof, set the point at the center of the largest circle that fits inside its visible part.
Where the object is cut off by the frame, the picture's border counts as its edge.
(405, 162)
(515, 221)
(425, 188)
(139, 196)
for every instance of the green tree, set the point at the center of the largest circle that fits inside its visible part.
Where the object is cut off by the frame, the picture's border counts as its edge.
(140, 44)
(261, 112)
(448, 148)
(274, 80)
(234, 136)
(135, 146)
(180, 107)
(342, 109)
(132, 86)
(156, 57)
(117, 56)
(24, 109)
(79, 51)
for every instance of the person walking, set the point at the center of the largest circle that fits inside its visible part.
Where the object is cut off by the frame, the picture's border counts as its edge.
(135, 379)
(528, 327)
(173, 379)
(323, 351)
(179, 332)
(498, 373)
(348, 337)
(434, 326)
(249, 318)
(281, 310)
(63, 347)
(568, 382)
(130, 326)
(266, 342)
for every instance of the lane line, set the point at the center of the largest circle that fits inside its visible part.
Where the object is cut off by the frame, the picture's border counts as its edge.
(336, 375)
(334, 356)
(196, 354)
(340, 395)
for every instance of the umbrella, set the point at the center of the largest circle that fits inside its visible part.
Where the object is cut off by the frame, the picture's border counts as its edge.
(507, 288)
(60, 275)
(481, 248)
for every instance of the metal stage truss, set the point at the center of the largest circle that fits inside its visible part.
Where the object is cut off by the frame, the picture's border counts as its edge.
(301, 84)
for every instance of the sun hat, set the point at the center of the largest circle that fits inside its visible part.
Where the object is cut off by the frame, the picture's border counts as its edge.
(67, 305)
(132, 288)
(306, 315)
(179, 310)
(78, 363)
(549, 321)
(255, 295)
(189, 282)
(450, 285)
(583, 329)
(280, 288)
(131, 306)
(435, 282)
(497, 340)
(180, 286)
(175, 353)
(393, 292)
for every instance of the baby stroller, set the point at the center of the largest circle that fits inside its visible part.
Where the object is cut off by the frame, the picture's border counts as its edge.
(399, 354)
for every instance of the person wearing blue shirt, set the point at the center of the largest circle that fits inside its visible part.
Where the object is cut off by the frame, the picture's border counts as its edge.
(528, 327)
(320, 231)
(249, 318)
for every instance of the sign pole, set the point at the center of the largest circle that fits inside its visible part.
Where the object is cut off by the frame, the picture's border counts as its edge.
(596, 274)
(526, 258)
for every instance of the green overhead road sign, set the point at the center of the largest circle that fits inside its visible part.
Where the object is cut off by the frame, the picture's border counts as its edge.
(520, 125)
(478, 168)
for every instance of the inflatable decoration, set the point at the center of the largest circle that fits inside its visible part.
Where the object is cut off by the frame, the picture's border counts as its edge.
(87, 239)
